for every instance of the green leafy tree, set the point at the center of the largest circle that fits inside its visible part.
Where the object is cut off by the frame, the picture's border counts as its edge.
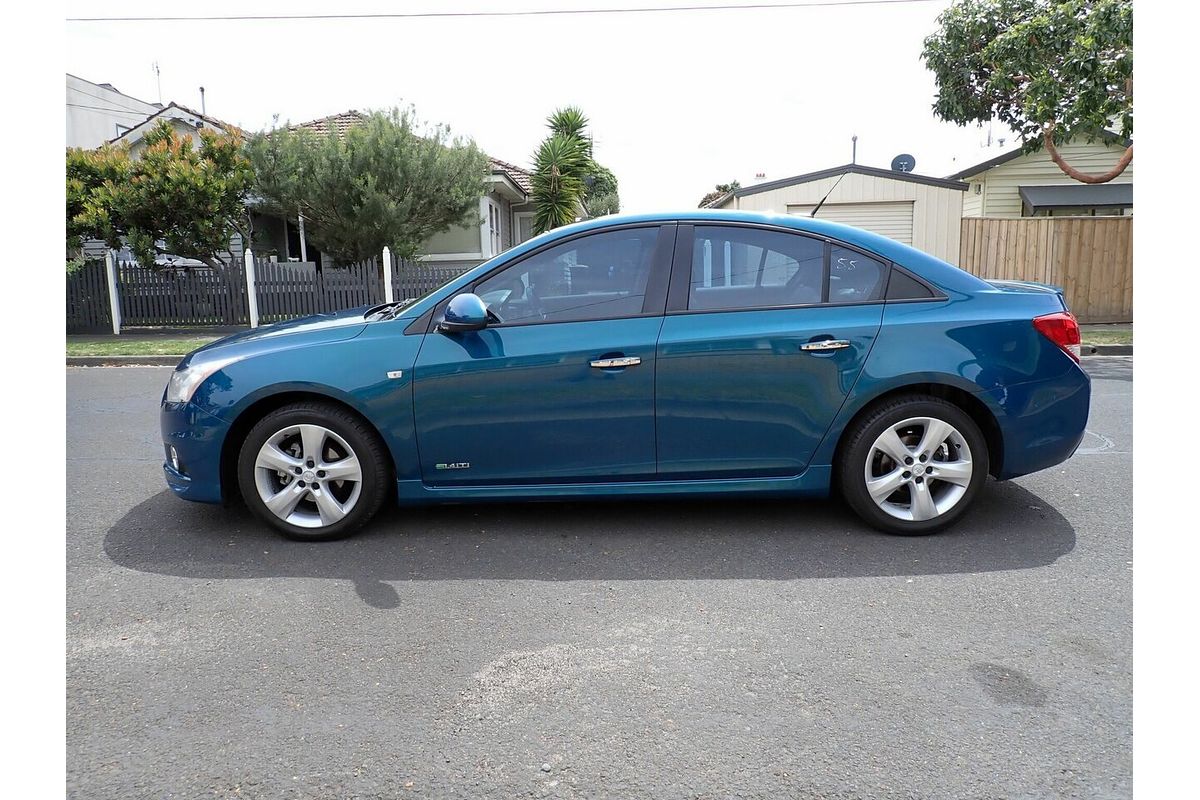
(1051, 70)
(567, 180)
(386, 182)
(176, 197)
(602, 196)
(719, 190)
(88, 172)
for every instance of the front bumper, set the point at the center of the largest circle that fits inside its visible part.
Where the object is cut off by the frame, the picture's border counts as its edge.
(1042, 422)
(197, 438)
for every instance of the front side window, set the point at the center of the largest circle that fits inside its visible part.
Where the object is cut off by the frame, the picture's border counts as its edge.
(734, 268)
(600, 276)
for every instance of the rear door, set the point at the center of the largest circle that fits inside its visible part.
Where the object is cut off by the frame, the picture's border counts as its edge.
(766, 331)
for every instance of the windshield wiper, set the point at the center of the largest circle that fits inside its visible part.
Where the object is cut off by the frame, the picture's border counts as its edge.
(386, 310)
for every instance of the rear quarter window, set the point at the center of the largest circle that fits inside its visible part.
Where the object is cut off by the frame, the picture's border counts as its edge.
(902, 286)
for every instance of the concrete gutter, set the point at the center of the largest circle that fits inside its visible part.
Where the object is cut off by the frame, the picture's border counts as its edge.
(1107, 349)
(123, 361)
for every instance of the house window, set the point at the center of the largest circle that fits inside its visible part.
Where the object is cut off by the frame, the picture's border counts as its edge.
(522, 226)
(494, 228)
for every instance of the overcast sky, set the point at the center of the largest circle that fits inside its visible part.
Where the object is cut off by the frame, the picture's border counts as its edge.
(678, 101)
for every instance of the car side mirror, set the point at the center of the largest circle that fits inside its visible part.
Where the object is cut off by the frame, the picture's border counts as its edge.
(465, 312)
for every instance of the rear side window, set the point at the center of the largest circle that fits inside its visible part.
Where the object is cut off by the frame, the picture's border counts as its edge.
(853, 277)
(735, 268)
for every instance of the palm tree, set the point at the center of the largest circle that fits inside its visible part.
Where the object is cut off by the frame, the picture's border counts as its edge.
(558, 181)
(568, 122)
(566, 179)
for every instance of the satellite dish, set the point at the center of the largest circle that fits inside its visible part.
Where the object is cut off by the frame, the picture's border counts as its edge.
(903, 163)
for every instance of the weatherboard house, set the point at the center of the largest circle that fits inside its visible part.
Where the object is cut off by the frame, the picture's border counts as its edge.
(918, 210)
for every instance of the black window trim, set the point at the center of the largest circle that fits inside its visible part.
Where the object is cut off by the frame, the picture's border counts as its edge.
(681, 271)
(656, 284)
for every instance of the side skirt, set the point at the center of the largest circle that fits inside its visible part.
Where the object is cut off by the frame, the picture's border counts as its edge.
(813, 482)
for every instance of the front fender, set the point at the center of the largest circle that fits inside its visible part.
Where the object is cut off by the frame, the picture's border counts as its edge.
(354, 372)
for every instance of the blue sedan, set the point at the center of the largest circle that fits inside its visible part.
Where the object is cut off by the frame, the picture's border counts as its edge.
(697, 354)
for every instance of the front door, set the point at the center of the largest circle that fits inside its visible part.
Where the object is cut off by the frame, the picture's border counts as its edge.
(561, 390)
(769, 332)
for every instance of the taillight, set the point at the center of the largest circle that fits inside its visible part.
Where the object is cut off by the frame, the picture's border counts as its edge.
(1062, 329)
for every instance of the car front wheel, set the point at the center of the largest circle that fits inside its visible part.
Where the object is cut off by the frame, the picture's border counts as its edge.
(913, 465)
(313, 471)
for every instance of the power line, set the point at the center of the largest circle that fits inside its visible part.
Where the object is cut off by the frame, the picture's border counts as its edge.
(109, 99)
(549, 12)
(110, 110)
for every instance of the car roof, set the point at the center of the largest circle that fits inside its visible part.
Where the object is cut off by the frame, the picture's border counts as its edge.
(927, 266)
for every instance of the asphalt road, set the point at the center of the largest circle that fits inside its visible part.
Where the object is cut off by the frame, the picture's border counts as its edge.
(719, 649)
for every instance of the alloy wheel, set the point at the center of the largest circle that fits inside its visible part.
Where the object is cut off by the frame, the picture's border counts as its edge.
(918, 469)
(308, 476)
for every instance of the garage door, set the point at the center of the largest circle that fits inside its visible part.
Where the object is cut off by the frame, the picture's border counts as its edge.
(893, 220)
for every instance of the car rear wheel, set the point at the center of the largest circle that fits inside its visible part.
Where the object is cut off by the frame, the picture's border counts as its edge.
(313, 471)
(913, 465)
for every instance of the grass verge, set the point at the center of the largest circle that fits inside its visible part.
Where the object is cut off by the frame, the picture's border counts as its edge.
(1106, 336)
(137, 347)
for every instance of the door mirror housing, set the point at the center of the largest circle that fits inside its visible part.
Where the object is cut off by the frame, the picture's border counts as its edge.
(465, 312)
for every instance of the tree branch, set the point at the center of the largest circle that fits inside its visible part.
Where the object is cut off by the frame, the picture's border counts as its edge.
(1123, 162)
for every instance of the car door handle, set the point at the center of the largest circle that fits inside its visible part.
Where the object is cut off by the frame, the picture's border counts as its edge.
(825, 344)
(616, 363)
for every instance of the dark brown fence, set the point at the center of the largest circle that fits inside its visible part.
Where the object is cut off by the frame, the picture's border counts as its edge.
(174, 296)
(411, 279)
(289, 290)
(87, 300)
(204, 296)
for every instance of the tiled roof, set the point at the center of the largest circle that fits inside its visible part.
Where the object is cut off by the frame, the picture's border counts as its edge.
(348, 119)
(341, 123)
(520, 176)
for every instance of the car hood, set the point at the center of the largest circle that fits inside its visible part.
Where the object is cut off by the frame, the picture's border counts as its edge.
(303, 332)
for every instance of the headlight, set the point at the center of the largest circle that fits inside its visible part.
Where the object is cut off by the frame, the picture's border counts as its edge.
(184, 381)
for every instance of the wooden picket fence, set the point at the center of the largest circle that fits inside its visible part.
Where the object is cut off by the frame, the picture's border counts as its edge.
(289, 290)
(174, 296)
(198, 296)
(87, 300)
(1091, 258)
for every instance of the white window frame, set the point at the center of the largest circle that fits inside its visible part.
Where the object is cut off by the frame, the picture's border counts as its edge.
(495, 229)
(516, 223)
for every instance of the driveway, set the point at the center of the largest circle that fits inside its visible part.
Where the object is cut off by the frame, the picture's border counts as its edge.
(745, 648)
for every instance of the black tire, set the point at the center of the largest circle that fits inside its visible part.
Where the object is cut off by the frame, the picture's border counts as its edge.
(859, 445)
(361, 438)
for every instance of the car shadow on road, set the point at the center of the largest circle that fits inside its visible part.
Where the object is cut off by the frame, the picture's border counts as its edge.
(1010, 528)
